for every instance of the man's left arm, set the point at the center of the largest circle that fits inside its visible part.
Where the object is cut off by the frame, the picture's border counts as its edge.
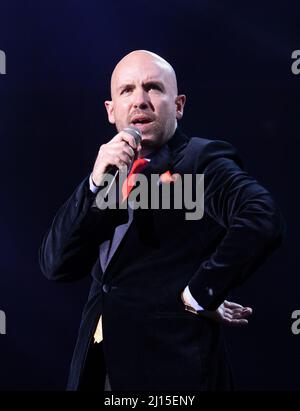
(254, 228)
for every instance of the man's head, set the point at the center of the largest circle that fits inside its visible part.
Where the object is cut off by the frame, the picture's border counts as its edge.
(144, 95)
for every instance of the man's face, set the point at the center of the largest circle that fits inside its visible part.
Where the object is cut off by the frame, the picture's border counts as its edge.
(144, 95)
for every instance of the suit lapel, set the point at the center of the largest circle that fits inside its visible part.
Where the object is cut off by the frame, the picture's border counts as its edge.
(161, 161)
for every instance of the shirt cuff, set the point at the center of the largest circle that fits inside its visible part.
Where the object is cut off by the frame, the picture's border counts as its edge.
(94, 189)
(190, 300)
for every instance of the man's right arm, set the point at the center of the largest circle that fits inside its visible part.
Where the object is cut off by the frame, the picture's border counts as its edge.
(71, 245)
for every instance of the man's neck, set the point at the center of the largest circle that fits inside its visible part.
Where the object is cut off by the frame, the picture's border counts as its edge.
(150, 151)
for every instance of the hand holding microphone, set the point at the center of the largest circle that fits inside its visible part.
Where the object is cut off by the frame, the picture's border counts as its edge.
(119, 152)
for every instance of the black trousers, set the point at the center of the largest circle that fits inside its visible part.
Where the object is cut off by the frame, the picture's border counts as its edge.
(107, 386)
(94, 377)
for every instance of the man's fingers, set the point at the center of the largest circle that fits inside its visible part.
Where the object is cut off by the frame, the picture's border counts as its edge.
(126, 148)
(232, 321)
(230, 304)
(227, 316)
(247, 311)
(123, 136)
(236, 313)
(244, 312)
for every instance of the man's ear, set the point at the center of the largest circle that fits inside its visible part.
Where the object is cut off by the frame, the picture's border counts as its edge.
(109, 105)
(180, 102)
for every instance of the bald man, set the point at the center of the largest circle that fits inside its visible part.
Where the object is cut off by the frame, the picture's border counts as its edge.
(144, 95)
(154, 316)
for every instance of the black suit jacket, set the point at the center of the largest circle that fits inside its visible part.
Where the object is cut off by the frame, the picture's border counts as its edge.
(150, 341)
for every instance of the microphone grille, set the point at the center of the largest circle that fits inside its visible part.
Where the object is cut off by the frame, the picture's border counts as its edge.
(134, 132)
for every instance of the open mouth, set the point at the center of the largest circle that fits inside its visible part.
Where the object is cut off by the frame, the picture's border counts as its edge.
(139, 120)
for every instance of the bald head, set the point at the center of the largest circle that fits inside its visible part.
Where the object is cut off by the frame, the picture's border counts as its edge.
(145, 59)
(144, 95)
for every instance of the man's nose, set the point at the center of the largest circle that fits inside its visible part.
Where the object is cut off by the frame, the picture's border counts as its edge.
(141, 99)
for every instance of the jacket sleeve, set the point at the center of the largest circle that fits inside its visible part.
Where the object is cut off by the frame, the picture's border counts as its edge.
(71, 246)
(253, 224)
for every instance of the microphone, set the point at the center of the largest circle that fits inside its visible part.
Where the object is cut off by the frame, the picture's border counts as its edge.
(137, 135)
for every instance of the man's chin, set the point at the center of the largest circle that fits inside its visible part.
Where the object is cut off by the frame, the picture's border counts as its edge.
(149, 141)
(144, 128)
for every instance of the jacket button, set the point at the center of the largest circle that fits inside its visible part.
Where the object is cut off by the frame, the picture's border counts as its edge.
(106, 288)
(210, 291)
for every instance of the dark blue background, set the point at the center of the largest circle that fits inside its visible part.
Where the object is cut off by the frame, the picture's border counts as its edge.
(233, 60)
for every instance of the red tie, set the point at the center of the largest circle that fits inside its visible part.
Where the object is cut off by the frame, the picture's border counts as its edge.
(129, 183)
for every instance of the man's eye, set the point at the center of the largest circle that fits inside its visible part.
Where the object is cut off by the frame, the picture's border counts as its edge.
(154, 87)
(126, 90)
